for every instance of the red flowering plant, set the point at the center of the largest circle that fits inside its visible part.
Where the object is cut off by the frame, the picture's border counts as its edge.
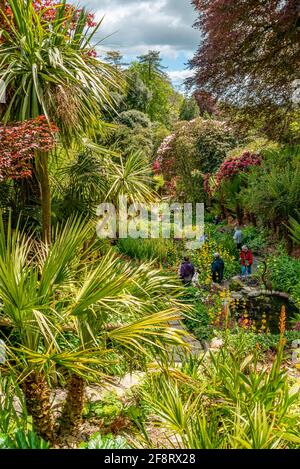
(156, 167)
(19, 142)
(48, 9)
(232, 166)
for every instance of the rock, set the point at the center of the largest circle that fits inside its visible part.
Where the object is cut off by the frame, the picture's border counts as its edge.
(236, 296)
(246, 290)
(254, 293)
(236, 284)
(216, 343)
(296, 356)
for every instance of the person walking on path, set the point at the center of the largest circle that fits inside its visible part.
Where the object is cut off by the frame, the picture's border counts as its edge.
(237, 237)
(246, 258)
(186, 271)
(217, 268)
(217, 220)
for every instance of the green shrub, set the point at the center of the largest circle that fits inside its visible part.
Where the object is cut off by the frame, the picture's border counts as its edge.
(295, 229)
(198, 322)
(250, 342)
(108, 408)
(255, 239)
(133, 118)
(272, 194)
(98, 441)
(126, 140)
(164, 251)
(255, 146)
(284, 273)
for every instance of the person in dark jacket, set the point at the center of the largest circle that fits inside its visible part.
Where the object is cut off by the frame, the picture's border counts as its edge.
(217, 268)
(186, 270)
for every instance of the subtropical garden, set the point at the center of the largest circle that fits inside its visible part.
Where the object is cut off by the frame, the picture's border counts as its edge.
(102, 346)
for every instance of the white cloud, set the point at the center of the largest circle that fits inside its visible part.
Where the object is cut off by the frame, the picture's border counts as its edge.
(179, 75)
(134, 26)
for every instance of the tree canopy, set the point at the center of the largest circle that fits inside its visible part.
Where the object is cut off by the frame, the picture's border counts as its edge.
(250, 50)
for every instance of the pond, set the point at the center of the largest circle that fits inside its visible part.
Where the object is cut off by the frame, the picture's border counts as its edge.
(262, 308)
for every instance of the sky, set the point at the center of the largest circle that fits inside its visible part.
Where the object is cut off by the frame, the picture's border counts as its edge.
(136, 26)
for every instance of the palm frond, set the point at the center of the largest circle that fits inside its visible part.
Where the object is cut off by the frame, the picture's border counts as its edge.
(131, 179)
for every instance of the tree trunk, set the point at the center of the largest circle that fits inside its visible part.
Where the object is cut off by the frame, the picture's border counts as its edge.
(72, 411)
(43, 178)
(253, 219)
(239, 214)
(38, 405)
(288, 241)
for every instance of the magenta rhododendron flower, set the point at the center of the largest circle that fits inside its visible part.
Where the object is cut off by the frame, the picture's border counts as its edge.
(234, 165)
(156, 166)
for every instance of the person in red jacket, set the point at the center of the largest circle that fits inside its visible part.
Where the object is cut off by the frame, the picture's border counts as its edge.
(246, 259)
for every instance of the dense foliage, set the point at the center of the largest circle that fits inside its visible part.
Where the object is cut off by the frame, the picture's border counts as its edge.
(250, 49)
(18, 144)
(194, 149)
(202, 365)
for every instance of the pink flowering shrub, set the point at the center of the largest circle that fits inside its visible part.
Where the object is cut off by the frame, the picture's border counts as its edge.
(164, 162)
(236, 165)
(195, 148)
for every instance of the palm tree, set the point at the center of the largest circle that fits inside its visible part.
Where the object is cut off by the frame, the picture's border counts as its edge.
(92, 177)
(116, 293)
(30, 280)
(131, 179)
(47, 288)
(49, 69)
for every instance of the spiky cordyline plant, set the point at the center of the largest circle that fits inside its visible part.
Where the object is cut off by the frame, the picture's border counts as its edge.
(46, 288)
(48, 70)
(131, 179)
(93, 178)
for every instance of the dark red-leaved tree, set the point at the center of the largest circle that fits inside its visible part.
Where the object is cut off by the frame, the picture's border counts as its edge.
(206, 102)
(18, 144)
(250, 49)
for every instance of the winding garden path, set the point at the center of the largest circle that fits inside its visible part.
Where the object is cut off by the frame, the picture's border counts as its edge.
(194, 344)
